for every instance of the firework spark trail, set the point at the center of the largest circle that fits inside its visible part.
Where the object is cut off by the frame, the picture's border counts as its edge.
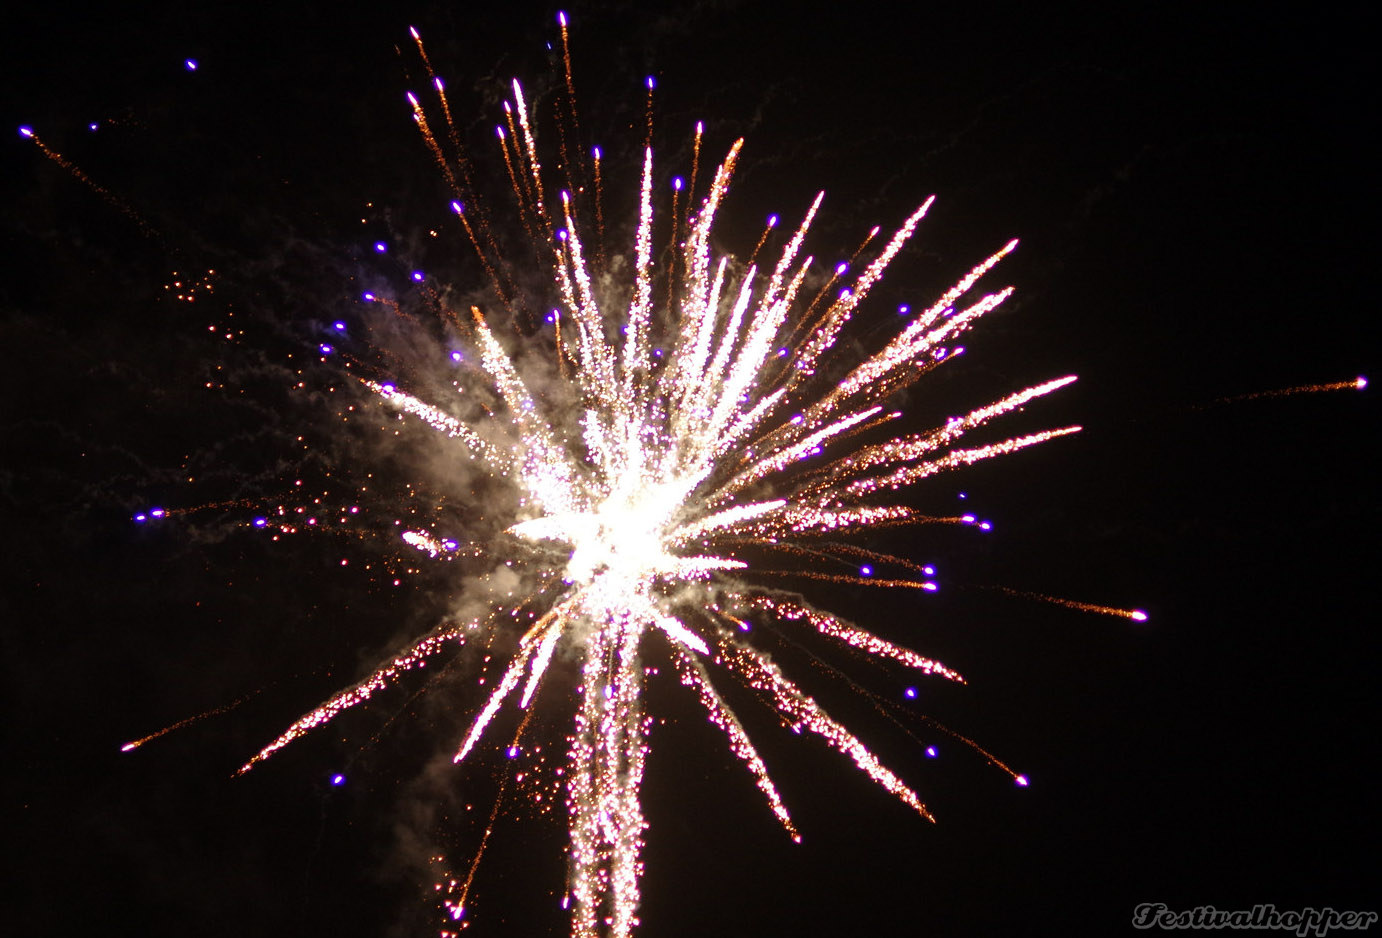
(635, 513)
(693, 674)
(1137, 615)
(195, 718)
(850, 634)
(1357, 384)
(414, 657)
(115, 201)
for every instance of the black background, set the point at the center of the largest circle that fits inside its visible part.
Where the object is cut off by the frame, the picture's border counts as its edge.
(1196, 196)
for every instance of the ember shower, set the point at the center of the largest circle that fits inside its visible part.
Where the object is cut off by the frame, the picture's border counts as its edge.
(683, 430)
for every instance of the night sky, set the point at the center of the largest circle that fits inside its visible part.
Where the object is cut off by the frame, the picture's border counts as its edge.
(1196, 195)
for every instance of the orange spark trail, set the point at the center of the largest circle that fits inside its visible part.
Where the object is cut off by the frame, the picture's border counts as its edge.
(114, 201)
(1357, 384)
(1137, 615)
(131, 746)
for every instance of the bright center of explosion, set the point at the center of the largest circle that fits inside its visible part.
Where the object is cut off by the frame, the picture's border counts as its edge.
(622, 540)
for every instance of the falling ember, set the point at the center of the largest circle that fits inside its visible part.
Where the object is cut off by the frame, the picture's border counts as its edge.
(1357, 384)
(196, 718)
(1137, 615)
(111, 199)
(709, 450)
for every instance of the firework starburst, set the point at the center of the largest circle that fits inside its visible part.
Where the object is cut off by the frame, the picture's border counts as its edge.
(669, 454)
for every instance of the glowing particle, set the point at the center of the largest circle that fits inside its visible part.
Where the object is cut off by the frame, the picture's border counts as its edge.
(1137, 615)
(26, 131)
(260, 522)
(866, 571)
(1021, 780)
(910, 693)
(380, 247)
(338, 780)
(191, 65)
(339, 326)
(418, 276)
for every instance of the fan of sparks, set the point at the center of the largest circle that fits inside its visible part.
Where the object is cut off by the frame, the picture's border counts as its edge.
(687, 440)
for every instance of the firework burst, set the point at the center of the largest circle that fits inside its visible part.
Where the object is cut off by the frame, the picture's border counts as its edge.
(693, 433)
